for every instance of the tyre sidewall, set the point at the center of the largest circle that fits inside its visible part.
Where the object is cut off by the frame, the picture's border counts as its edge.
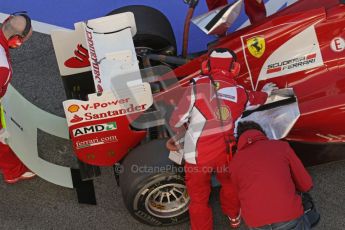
(139, 195)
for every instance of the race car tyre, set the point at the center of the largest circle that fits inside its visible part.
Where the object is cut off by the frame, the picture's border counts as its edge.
(153, 187)
(154, 31)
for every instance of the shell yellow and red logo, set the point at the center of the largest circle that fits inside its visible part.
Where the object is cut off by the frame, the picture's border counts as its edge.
(223, 113)
(73, 108)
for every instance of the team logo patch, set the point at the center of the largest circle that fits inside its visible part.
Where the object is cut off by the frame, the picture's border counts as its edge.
(223, 113)
(217, 85)
(256, 46)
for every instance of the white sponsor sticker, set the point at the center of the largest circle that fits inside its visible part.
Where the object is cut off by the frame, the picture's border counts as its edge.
(300, 53)
(94, 129)
(138, 99)
(338, 44)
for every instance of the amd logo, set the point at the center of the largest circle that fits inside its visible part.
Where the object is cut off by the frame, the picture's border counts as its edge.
(94, 129)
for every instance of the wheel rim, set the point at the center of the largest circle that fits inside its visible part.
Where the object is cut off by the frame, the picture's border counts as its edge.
(143, 50)
(167, 201)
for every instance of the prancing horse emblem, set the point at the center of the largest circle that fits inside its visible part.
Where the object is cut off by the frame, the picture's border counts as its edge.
(256, 46)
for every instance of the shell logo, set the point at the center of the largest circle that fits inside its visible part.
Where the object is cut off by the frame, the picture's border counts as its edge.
(73, 108)
(223, 113)
(217, 85)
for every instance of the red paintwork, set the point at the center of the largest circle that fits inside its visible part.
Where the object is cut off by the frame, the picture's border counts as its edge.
(112, 150)
(320, 91)
(80, 60)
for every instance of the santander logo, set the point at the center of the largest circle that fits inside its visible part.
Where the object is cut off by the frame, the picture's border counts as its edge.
(80, 60)
(76, 119)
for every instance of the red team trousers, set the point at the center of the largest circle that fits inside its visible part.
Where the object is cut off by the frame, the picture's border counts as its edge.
(10, 166)
(198, 181)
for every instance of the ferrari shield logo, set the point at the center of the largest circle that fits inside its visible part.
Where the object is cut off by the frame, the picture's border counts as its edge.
(256, 46)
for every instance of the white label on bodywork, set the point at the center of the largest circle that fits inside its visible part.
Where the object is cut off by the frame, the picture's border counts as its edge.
(300, 53)
(338, 44)
(136, 100)
(111, 50)
(70, 50)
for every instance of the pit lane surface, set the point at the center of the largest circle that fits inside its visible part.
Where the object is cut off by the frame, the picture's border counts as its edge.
(38, 204)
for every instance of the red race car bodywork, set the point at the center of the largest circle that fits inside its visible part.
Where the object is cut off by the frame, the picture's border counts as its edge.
(301, 47)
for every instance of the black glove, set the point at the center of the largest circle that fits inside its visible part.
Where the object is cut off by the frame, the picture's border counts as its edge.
(191, 3)
(309, 209)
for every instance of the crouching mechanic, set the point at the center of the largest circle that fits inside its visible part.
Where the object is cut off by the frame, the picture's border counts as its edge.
(15, 30)
(267, 176)
(207, 143)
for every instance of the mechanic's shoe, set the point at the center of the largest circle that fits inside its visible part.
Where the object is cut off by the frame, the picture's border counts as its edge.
(235, 222)
(25, 176)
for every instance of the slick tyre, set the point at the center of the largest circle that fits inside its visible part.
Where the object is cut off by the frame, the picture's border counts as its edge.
(154, 31)
(153, 187)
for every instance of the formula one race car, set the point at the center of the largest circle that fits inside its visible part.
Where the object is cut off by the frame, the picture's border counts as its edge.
(115, 87)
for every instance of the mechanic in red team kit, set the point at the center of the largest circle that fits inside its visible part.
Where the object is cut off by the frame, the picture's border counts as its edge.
(255, 9)
(207, 146)
(267, 175)
(15, 30)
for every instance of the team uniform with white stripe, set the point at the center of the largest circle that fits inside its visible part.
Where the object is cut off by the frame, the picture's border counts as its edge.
(12, 168)
(204, 142)
(5, 70)
(204, 139)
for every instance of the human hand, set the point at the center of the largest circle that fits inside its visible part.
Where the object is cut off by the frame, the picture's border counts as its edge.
(4, 135)
(269, 87)
(172, 144)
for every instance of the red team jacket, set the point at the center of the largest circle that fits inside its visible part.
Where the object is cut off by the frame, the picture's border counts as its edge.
(204, 139)
(267, 174)
(5, 65)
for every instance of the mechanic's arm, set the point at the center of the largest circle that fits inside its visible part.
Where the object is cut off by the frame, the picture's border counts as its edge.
(182, 112)
(213, 4)
(255, 9)
(4, 79)
(257, 98)
(179, 117)
(300, 176)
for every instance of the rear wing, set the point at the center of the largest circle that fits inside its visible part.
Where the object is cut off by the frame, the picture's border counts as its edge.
(99, 127)
(72, 46)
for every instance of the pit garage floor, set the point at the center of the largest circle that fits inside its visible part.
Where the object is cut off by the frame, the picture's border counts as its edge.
(38, 204)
